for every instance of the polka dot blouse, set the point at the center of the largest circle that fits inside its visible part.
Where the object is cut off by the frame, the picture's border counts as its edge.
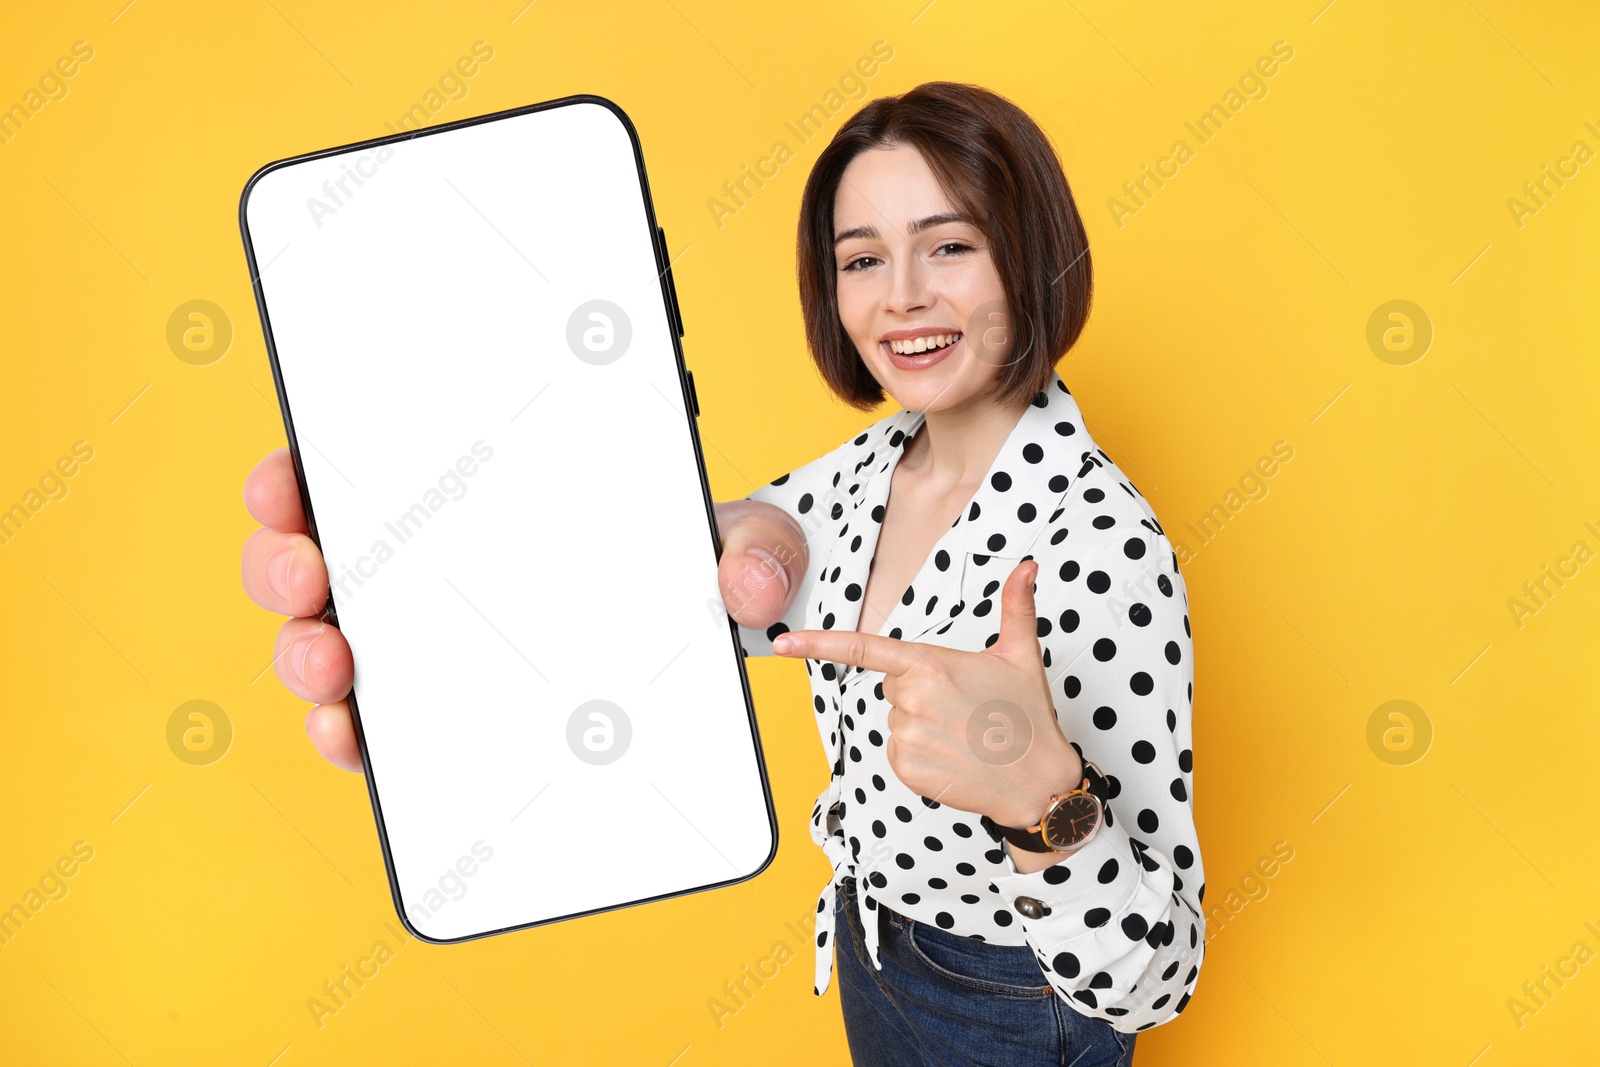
(1121, 933)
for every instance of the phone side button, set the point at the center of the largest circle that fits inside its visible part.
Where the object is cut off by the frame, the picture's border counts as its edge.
(694, 397)
(672, 285)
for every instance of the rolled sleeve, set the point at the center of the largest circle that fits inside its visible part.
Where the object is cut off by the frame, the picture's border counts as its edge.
(1107, 928)
(1118, 928)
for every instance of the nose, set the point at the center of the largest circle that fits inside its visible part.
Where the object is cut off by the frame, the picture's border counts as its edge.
(910, 284)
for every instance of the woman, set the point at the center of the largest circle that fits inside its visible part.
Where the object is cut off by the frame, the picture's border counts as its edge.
(959, 687)
(961, 694)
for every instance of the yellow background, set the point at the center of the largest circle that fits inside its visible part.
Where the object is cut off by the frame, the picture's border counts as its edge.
(1231, 313)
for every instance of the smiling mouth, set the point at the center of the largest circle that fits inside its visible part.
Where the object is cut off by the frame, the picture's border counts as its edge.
(917, 346)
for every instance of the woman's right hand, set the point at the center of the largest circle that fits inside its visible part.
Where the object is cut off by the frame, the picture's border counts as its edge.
(763, 558)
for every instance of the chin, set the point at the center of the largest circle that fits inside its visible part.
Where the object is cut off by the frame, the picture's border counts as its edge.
(934, 389)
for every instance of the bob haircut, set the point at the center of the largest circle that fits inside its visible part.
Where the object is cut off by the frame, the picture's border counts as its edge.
(998, 168)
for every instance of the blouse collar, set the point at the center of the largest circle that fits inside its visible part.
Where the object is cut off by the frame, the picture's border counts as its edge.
(1045, 452)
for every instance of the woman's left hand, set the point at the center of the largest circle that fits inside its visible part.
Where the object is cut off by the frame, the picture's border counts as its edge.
(974, 730)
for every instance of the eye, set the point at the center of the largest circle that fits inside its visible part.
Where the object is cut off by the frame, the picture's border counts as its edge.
(955, 244)
(854, 264)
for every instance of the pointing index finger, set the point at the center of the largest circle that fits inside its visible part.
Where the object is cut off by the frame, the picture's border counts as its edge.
(871, 652)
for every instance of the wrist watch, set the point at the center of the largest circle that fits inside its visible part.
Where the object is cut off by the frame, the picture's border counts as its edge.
(1070, 818)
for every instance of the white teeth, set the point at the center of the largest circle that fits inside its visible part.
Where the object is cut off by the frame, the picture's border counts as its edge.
(923, 344)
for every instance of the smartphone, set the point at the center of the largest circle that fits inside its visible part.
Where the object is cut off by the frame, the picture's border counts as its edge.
(476, 343)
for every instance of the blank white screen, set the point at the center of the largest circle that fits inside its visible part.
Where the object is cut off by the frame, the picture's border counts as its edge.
(512, 527)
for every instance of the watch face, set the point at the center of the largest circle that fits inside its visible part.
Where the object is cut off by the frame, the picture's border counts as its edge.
(1071, 820)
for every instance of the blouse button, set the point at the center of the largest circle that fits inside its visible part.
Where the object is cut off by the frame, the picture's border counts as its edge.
(1030, 907)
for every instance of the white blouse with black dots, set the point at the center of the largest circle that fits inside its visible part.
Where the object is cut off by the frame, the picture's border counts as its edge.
(1121, 933)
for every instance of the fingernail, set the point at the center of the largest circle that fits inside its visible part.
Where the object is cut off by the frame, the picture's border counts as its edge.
(783, 643)
(278, 573)
(300, 651)
(772, 562)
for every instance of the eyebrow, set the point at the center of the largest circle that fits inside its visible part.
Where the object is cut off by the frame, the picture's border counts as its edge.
(870, 233)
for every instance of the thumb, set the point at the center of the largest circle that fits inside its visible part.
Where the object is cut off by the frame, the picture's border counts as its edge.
(1019, 622)
(763, 559)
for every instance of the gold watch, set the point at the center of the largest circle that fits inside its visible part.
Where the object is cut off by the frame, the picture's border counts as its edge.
(1070, 819)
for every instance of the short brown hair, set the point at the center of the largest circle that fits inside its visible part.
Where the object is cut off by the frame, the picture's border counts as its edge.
(999, 168)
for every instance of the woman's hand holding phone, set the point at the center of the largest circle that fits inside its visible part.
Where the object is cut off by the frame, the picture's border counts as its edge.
(763, 559)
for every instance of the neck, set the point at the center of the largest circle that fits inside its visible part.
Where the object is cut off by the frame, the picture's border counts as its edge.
(955, 447)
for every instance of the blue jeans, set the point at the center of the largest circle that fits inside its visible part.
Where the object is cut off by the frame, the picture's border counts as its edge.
(945, 1000)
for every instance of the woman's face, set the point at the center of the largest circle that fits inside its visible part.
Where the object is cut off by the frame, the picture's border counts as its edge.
(908, 272)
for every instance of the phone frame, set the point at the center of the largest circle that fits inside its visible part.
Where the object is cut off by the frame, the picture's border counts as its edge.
(691, 407)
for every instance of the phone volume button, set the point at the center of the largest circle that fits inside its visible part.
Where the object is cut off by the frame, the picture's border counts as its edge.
(694, 398)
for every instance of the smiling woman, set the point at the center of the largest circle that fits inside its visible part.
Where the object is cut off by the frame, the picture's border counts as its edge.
(996, 218)
(1009, 816)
